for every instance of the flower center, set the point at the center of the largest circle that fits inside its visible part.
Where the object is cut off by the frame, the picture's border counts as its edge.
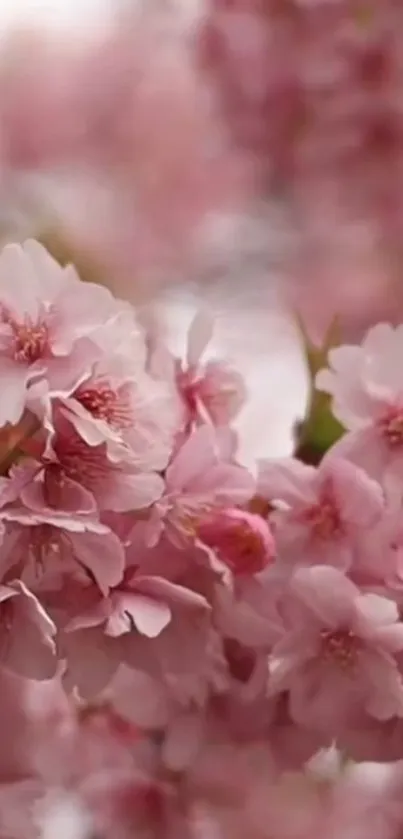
(30, 340)
(241, 660)
(391, 426)
(80, 462)
(340, 647)
(323, 519)
(43, 545)
(104, 403)
(188, 387)
(242, 548)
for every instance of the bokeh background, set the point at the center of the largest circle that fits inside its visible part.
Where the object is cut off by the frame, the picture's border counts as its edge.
(246, 154)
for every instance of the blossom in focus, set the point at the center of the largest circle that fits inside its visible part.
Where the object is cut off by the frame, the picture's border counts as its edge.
(338, 642)
(366, 386)
(202, 476)
(321, 515)
(213, 390)
(72, 474)
(121, 405)
(132, 626)
(47, 318)
(45, 549)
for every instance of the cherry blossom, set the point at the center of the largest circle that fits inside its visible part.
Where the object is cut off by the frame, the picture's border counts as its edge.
(321, 514)
(201, 477)
(191, 648)
(43, 549)
(366, 388)
(47, 318)
(338, 641)
(211, 391)
(74, 476)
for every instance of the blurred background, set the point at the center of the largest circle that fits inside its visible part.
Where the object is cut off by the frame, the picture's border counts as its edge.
(246, 154)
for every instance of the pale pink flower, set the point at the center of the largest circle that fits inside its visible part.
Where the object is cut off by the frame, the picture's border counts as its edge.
(380, 562)
(366, 385)
(322, 513)
(141, 603)
(337, 655)
(46, 319)
(76, 477)
(247, 615)
(201, 477)
(26, 634)
(122, 626)
(120, 404)
(213, 390)
(241, 540)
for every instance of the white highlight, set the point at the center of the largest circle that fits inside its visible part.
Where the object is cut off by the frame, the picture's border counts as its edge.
(81, 16)
(64, 818)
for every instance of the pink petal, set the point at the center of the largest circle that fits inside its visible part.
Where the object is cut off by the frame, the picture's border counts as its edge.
(199, 335)
(130, 492)
(360, 499)
(103, 555)
(149, 616)
(160, 588)
(50, 275)
(374, 611)
(364, 448)
(14, 378)
(385, 685)
(286, 480)
(197, 455)
(27, 647)
(225, 484)
(92, 617)
(65, 496)
(327, 593)
(6, 592)
(20, 290)
(92, 660)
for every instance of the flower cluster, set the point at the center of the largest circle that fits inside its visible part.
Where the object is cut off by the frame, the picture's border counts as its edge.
(200, 651)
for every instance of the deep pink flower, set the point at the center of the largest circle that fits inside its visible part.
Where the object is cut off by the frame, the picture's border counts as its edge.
(366, 385)
(241, 540)
(76, 477)
(212, 391)
(337, 654)
(26, 634)
(44, 550)
(201, 477)
(322, 514)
